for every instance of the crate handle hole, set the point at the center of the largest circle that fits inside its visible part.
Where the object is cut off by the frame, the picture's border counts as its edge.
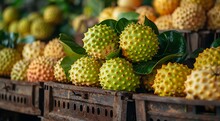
(98, 111)
(5, 97)
(111, 113)
(25, 100)
(55, 103)
(9, 97)
(165, 120)
(68, 105)
(74, 107)
(151, 119)
(206, 110)
(87, 109)
(58, 103)
(21, 100)
(64, 104)
(158, 119)
(106, 112)
(81, 108)
(93, 110)
(18, 100)
(14, 98)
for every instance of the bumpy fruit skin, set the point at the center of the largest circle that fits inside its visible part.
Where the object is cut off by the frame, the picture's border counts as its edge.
(53, 14)
(85, 72)
(100, 40)
(190, 17)
(33, 50)
(10, 14)
(106, 14)
(41, 30)
(170, 79)
(206, 4)
(118, 74)
(59, 73)
(147, 11)
(204, 83)
(209, 57)
(19, 70)
(148, 80)
(41, 69)
(165, 7)
(8, 57)
(214, 18)
(138, 42)
(24, 26)
(164, 22)
(54, 49)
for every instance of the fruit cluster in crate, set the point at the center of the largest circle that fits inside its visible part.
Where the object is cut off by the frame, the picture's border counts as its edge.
(168, 15)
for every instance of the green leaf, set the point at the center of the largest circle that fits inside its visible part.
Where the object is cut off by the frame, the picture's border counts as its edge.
(147, 67)
(66, 64)
(27, 39)
(13, 37)
(148, 22)
(115, 54)
(121, 24)
(172, 42)
(216, 43)
(129, 15)
(109, 22)
(70, 46)
(196, 52)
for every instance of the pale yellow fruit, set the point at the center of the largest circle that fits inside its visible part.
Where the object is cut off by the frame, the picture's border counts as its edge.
(106, 14)
(129, 3)
(118, 10)
(164, 7)
(147, 11)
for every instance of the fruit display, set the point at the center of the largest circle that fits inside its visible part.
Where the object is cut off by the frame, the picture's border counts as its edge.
(190, 17)
(124, 46)
(136, 44)
(41, 69)
(85, 72)
(54, 49)
(8, 57)
(100, 40)
(117, 74)
(19, 70)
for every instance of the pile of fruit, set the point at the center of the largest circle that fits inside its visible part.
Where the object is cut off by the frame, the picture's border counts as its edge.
(121, 54)
(41, 26)
(168, 15)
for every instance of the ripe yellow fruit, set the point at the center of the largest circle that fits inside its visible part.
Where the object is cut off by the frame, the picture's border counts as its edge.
(130, 3)
(190, 17)
(24, 26)
(206, 4)
(41, 30)
(33, 16)
(10, 14)
(13, 27)
(79, 24)
(53, 14)
(203, 83)
(54, 49)
(164, 22)
(164, 7)
(147, 11)
(118, 10)
(214, 17)
(106, 14)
